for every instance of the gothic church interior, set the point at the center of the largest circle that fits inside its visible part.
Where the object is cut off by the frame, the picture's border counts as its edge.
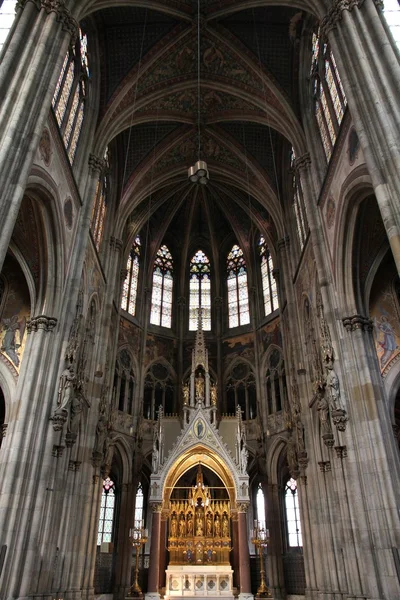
(199, 299)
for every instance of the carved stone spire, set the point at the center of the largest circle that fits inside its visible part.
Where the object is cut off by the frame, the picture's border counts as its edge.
(200, 353)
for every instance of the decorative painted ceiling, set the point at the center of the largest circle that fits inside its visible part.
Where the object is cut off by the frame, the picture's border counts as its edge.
(248, 101)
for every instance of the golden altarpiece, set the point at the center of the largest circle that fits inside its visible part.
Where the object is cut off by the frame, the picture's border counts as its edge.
(199, 516)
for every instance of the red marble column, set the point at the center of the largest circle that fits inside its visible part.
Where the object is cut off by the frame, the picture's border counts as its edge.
(244, 556)
(163, 552)
(154, 565)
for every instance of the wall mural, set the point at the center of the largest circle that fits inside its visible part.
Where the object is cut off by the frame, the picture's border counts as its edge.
(385, 314)
(14, 313)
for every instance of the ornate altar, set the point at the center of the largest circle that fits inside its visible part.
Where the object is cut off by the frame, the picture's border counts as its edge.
(199, 528)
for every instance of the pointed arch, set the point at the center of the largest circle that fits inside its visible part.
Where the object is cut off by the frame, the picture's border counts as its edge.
(161, 297)
(200, 290)
(238, 294)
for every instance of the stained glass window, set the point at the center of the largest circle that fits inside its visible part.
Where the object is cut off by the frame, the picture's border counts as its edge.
(161, 297)
(107, 507)
(270, 290)
(260, 504)
(100, 204)
(238, 296)
(329, 98)
(139, 505)
(298, 203)
(7, 16)
(70, 95)
(129, 289)
(200, 291)
(391, 11)
(293, 515)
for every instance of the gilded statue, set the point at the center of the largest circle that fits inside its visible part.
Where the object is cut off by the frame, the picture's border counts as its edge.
(190, 525)
(199, 385)
(182, 527)
(217, 526)
(185, 392)
(213, 394)
(208, 525)
(199, 525)
(225, 527)
(173, 527)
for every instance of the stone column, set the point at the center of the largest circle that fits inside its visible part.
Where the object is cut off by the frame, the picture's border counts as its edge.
(358, 38)
(274, 563)
(163, 549)
(28, 75)
(235, 549)
(244, 555)
(154, 566)
(123, 567)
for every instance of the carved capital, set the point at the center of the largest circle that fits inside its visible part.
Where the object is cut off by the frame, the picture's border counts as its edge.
(96, 164)
(303, 162)
(357, 322)
(123, 274)
(284, 243)
(41, 322)
(324, 466)
(328, 439)
(340, 418)
(218, 302)
(156, 508)
(181, 301)
(74, 465)
(242, 507)
(335, 13)
(116, 243)
(63, 15)
(341, 451)
(70, 439)
(57, 451)
(3, 430)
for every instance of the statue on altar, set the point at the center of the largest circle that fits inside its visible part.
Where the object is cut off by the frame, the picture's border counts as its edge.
(217, 526)
(199, 524)
(209, 525)
(199, 388)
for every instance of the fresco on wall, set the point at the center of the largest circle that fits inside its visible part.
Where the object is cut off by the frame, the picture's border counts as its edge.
(385, 314)
(14, 313)
(158, 347)
(271, 334)
(239, 346)
(129, 334)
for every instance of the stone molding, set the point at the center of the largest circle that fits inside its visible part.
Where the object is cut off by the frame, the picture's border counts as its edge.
(41, 322)
(57, 451)
(334, 15)
(74, 465)
(116, 243)
(357, 322)
(63, 15)
(341, 451)
(284, 243)
(3, 430)
(324, 466)
(96, 163)
(303, 162)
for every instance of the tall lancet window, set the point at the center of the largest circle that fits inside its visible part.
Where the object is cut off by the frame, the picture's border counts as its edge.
(129, 290)
(293, 514)
(107, 507)
(260, 500)
(161, 297)
(270, 291)
(139, 505)
(329, 98)
(238, 295)
(200, 291)
(298, 203)
(70, 94)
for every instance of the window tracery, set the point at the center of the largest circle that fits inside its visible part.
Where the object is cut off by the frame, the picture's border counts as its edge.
(329, 98)
(71, 93)
(107, 508)
(124, 383)
(158, 391)
(238, 296)
(293, 515)
(7, 16)
(139, 502)
(161, 297)
(275, 382)
(129, 288)
(200, 291)
(241, 391)
(100, 204)
(269, 286)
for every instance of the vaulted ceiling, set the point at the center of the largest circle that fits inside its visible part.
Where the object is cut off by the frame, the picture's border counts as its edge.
(248, 105)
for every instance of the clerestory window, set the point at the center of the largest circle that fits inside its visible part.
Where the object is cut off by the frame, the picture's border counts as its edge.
(238, 295)
(129, 289)
(200, 291)
(270, 290)
(161, 297)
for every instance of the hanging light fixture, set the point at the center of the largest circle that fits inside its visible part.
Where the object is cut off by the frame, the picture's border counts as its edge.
(198, 173)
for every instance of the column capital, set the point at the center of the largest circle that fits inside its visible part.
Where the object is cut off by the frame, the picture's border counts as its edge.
(242, 507)
(357, 322)
(334, 15)
(96, 164)
(302, 162)
(181, 301)
(41, 322)
(63, 15)
(156, 508)
(116, 243)
(284, 243)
